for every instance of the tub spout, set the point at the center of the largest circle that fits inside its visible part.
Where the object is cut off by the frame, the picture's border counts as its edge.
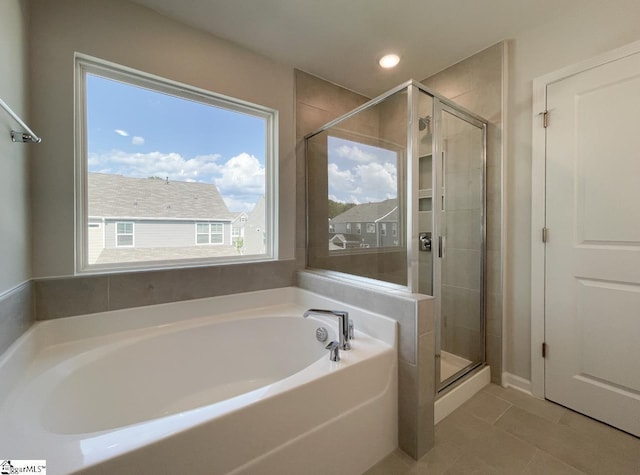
(334, 350)
(343, 324)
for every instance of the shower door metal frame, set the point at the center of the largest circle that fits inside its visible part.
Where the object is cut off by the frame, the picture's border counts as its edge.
(438, 181)
(440, 104)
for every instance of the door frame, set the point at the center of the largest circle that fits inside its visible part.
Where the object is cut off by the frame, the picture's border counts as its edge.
(538, 200)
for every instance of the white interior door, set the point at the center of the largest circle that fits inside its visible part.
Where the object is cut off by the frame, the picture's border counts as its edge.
(592, 287)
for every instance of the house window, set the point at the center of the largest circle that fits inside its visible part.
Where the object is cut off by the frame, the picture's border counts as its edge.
(209, 233)
(348, 228)
(124, 234)
(138, 162)
(236, 232)
(383, 229)
(394, 229)
(358, 228)
(371, 228)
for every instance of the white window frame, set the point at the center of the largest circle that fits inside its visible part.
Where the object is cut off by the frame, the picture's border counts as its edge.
(209, 233)
(84, 65)
(133, 234)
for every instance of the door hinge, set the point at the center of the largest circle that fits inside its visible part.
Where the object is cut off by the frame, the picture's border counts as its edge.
(545, 234)
(544, 350)
(545, 119)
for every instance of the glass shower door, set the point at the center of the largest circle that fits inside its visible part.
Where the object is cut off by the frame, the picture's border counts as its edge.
(461, 204)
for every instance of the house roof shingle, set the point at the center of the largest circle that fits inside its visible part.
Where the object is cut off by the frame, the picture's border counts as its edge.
(369, 212)
(120, 196)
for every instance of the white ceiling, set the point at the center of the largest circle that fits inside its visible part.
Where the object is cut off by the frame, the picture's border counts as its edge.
(341, 40)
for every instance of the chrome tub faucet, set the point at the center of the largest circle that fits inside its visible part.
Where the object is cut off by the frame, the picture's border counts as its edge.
(345, 327)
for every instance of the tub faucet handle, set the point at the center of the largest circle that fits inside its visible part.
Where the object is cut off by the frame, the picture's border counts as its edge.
(352, 330)
(334, 350)
(343, 324)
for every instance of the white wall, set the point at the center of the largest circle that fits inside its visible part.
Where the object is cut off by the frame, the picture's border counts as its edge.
(133, 36)
(14, 157)
(596, 28)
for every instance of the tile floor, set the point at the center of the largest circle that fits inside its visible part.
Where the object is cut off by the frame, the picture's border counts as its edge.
(504, 431)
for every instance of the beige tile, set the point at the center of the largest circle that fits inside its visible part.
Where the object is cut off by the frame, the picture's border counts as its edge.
(322, 94)
(471, 465)
(545, 464)
(16, 314)
(408, 408)
(492, 449)
(65, 297)
(494, 314)
(426, 319)
(486, 407)
(540, 407)
(494, 357)
(439, 459)
(393, 464)
(581, 451)
(600, 431)
(309, 119)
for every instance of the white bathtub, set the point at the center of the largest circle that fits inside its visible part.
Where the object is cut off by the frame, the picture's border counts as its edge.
(234, 384)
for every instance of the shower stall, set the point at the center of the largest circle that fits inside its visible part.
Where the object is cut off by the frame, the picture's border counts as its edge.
(396, 193)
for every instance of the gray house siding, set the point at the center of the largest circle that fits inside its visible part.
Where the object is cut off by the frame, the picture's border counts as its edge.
(165, 233)
(375, 239)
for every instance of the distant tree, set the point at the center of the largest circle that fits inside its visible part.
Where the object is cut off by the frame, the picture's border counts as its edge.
(336, 208)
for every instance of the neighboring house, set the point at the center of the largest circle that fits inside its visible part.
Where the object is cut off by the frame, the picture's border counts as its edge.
(254, 232)
(144, 218)
(368, 224)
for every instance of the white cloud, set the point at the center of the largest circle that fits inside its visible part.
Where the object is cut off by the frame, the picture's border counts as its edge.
(242, 174)
(363, 183)
(236, 205)
(121, 132)
(137, 140)
(355, 154)
(143, 165)
(241, 180)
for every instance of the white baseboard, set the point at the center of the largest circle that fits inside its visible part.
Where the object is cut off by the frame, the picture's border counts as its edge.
(516, 382)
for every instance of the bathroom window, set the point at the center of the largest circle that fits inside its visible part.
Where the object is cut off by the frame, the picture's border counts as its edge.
(210, 233)
(175, 160)
(124, 234)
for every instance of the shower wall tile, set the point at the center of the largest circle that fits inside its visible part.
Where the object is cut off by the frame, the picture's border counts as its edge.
(16, 314)
(310, 118)
(456, 267)
(477, 84)
(464, 227)
(317, 92)
(318, 102)
(461, 307)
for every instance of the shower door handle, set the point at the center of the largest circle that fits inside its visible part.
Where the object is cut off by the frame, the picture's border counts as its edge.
(440, 247)
(425, 242)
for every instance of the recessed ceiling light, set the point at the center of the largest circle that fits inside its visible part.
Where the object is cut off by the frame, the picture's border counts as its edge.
(389, 60)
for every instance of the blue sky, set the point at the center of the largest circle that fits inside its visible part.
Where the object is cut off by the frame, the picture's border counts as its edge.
(135, 132)
(361, 173)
